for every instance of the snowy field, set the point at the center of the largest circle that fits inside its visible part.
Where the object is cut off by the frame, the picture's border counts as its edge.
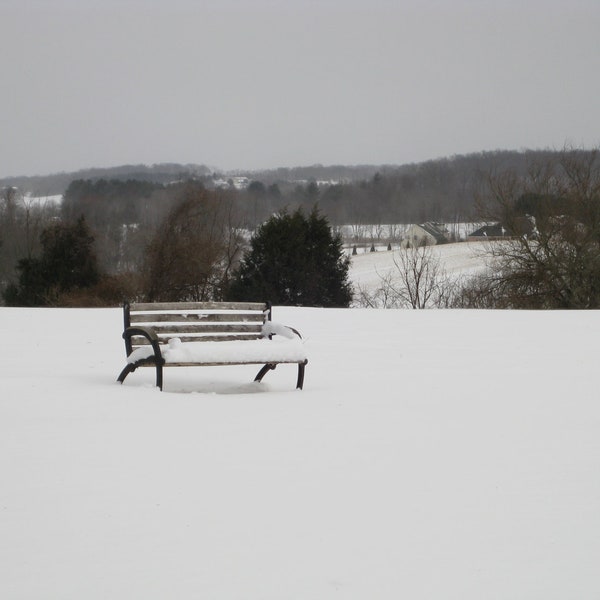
(461, 259)
(431, 455)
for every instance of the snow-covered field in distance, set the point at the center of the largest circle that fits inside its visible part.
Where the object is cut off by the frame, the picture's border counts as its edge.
(461, 259)
(42, 201)
(432, 454)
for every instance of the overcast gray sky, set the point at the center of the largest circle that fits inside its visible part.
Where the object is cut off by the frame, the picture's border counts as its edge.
(255, 84)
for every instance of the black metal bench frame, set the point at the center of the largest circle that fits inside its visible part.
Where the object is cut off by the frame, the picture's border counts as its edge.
(155, 323)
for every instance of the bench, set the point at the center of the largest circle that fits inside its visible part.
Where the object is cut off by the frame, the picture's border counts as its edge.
(192, 334)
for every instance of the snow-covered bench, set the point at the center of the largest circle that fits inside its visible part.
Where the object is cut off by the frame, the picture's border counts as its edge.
(184, 334)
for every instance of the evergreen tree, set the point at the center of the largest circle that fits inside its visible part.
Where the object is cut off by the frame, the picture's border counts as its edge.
(67, 262)
(294, 260)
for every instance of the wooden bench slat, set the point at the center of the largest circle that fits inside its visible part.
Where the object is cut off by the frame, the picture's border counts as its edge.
(220, 364)
(168, 329)
(197, 318)
(142, 341)
(181, 306)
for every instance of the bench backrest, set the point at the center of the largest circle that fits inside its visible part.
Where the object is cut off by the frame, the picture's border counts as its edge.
(197, 321)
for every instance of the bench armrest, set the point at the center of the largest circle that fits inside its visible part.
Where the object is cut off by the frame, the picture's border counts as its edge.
(149, 334)
(271, 328)
(295, 331)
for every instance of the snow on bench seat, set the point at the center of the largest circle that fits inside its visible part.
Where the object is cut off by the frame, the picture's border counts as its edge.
(221, 353)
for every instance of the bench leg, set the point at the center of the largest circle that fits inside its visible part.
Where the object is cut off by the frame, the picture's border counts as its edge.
(130, 368)
(159, 376)
(271, 367)
(300, 382)
(264, 371)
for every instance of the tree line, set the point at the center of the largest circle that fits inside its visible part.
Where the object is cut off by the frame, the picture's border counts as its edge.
(192, 247)
(184, 240)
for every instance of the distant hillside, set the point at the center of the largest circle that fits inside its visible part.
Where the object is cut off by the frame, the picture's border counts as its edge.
(329, 173)
(455, 165)
(57, 183)
(448, 174)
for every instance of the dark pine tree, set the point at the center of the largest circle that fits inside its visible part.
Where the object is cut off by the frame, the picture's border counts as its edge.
(67, 262)
(294, 260)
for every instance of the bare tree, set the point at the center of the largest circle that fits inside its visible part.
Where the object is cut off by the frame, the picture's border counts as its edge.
(194, 251)
(417, 281)
(424, 280)
(551, 214)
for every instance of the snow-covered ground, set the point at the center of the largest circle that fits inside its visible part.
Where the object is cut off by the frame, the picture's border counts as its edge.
(431, 455)
(381, 231)
(462, 259)
(42, 201)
